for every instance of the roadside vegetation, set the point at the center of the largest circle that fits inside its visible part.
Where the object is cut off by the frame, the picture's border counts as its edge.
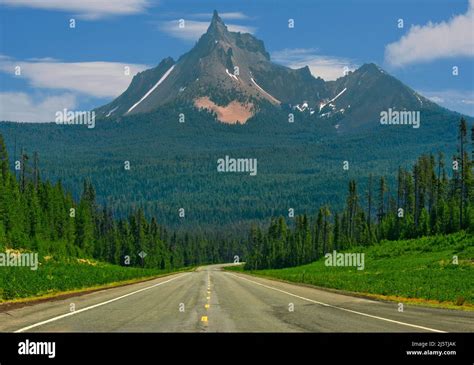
(80, 244)
(409, 232)
(68, 274)
(430, 270)
(435, 197)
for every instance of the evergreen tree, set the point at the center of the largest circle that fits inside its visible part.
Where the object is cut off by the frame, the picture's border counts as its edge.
(4, 170)
(381, 204)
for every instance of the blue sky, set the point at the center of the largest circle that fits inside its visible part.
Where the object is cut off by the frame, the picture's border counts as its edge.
(83, 67)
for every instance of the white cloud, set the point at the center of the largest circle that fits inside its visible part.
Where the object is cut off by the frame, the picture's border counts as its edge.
(461, 101)
(99, 79)
(436, 99)
(21, 107)
(453, 38)
(241, 28)
(233, 15)
(326, 67)
(193, 29)
(86, 9)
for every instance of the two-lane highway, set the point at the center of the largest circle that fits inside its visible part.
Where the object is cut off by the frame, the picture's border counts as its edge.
(213, 300)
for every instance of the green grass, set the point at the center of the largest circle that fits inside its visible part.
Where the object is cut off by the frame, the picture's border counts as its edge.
(56, 276)
(413, 269)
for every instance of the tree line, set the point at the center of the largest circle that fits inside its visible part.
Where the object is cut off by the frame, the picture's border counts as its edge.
(434, 197)
(40, 216)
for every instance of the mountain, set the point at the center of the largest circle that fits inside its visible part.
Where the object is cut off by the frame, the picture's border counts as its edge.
(231, 75)
(174, 166)
(216, 74)
(361, 95)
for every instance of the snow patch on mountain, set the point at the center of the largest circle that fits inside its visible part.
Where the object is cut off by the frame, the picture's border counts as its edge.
(163, 78)
(111, 111)
(231, 75)
(421, 102)
(263, 91)
(322, 105)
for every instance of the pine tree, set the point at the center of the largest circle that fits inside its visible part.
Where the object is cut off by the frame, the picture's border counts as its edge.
(369, 206)
(352, 209)
(326, 229)
(381, 206)
(337, 231)
(36, 174)
(462, 155)
(24, 169)
(4, 170)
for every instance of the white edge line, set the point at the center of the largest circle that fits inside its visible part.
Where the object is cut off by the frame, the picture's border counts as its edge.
(95, 305)
(343, 309)
(163, 78)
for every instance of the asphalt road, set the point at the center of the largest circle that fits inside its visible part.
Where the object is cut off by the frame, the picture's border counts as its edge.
(212, 300)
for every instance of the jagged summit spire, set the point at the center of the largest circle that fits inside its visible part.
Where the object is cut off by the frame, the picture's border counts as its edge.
(217, 26)
(216, 18)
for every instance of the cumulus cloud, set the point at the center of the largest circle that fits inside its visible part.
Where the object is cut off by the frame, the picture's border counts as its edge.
(453, 38)
(21, 107)
(86, 9)
(98, 79)
(193, 29)
(326, 67)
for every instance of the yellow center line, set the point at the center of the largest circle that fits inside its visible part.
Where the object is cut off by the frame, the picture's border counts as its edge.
(204, 319)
